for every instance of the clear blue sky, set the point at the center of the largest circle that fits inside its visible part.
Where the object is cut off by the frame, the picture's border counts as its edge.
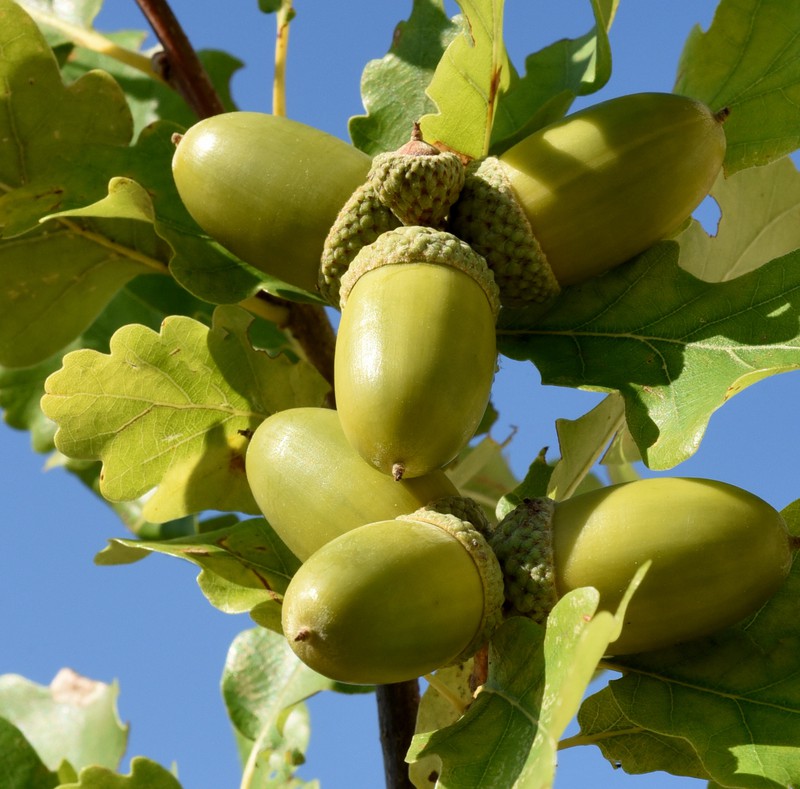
(147, 625)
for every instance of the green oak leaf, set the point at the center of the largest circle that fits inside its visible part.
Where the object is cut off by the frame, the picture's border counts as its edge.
(466, 85)
(262, 678)
(533, 486)
(443, 703)
(73, 718)
(150, 99)
(748, 61)
(760, 221)
(553, 77)
(53, 285)
(742, 684)
(537, 677)
(170, 413)
(242, 566)
(144, 774)
(20, 765)
(146, 300)
(76, 12)
(675, 347)
(482, 473)
(263, 686)
(582, 442)
(393, 88)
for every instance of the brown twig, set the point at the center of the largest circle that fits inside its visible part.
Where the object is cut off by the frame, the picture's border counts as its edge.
(397, 720)
(178, 64)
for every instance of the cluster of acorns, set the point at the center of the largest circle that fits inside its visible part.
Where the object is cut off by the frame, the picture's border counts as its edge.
(400, 575)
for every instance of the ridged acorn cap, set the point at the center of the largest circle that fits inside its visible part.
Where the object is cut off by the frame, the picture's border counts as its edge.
(464, 508)
(490, 219)
(418, 182)
(412, 244)
(523, 545)
(486, 564)
(361, 220)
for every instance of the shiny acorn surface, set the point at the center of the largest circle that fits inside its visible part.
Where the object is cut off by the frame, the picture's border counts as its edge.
(718, 553)
(267, 188)
(312, 486)
(605, 183)
(415, 357)
(384, 603)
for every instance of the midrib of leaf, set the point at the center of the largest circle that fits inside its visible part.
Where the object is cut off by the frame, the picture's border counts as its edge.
(91, 39)
(738, 699)
(754, 241)
(768, 72)
(113, 246)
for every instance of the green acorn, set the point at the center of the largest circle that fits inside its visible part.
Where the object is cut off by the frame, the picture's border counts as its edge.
(589, 192)
(312, 486)
(394, 600)
(267, 188)
(718, 553)
(416, 350)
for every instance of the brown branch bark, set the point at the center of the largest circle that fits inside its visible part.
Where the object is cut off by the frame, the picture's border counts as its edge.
(178, 64)
(397, 719)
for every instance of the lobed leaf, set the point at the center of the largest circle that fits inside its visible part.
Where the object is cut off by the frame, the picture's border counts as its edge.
(553, 77)
(748, 61)
(760, 222)
(144, 774)
(20, 765)
(468, 80)
(393, 88)
(676, 348)
(243, 565)
(582, 442)
(73, 719)
(170, 413)
(537, 676)
(742, 686)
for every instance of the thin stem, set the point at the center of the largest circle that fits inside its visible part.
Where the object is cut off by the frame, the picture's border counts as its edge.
(397, 720)
(179, 64)
(91, 39)
(283, 18)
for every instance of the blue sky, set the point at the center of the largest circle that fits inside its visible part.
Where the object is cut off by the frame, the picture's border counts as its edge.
(147, 625)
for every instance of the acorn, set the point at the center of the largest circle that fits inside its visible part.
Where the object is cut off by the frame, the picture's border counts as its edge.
(267, 188)
(395, 599)
(312, 486)
(589, 192)
(416, 349)
(414, 185)
(718, 553)
(418, 182)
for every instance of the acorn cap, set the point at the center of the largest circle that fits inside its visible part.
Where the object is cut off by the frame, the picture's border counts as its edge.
(413, 244)
(361, 220)
(464, 508)
(417, 182)
(523, 545)
(486, 564)
(489, 218)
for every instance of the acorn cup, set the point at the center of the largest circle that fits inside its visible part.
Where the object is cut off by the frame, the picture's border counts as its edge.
(267, 188)
(312, 486)
(395, 599)
(416, 349)
(589, 192)
(718, 553)
(414, 185)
